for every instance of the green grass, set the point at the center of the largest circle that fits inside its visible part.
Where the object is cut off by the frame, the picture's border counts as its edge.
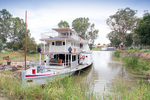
(117, 53)
(18, 56)
(96, 48)
(60, 89)
(145, 50)
(125, 90)
(136, 63)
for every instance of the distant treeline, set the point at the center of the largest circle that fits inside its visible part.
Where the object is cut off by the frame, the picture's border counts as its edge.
(12, 33)
(129, 30)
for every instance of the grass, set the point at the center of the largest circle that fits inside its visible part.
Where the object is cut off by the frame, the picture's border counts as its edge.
(136, 63)
(18, 56)
(125, 90)
(96, 48)
(117, 53)
(60, 89)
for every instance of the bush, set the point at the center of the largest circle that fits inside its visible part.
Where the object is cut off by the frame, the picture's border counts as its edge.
(117, 54)
(9, 50)
(144, 50)
(135, 63)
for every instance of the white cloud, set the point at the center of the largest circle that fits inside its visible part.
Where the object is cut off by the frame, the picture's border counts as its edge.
(44, 18)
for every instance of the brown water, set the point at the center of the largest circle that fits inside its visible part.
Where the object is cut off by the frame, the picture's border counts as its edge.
(104, 70)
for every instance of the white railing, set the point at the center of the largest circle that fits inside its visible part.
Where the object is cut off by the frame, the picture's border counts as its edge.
(56, 34)
(49, 35)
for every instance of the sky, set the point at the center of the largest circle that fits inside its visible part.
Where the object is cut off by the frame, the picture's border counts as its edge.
(43, 15)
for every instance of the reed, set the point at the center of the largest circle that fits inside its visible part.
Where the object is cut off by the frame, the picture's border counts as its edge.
(124, 90)
(61, 89)
(135, 63)
(116, 54)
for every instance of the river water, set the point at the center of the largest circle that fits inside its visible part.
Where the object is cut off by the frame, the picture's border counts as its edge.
(104, 70)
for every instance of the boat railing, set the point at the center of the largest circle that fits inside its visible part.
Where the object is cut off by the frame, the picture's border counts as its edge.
(49, 35)
(56, 34)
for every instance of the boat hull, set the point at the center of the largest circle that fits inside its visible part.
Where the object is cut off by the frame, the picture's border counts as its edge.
(41, 79)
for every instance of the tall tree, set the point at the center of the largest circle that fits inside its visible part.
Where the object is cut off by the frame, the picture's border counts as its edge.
(135, 37)
(122, 22)
(114, 39)
(85, 29)
(128, 40)
(143, 29)
(4, 24)
(63, 24)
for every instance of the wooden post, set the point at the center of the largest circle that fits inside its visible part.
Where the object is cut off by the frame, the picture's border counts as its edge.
(25, 36)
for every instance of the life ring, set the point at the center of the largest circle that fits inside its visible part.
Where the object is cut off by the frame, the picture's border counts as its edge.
(83, 57)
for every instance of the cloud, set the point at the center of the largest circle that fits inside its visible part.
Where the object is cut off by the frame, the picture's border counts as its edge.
(42, 16)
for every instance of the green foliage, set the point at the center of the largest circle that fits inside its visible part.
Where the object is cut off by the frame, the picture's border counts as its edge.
(124, 90)
(13, 29)
(1, 45)
(8, 50)
(144, 50)
(66, 89)
(63, 24)
(143, 30)
(116, 54)
(137, 64)
(121, 22)
(114, 39)
(129, 40)
(5, 24)
(85, 29)
(98, 44)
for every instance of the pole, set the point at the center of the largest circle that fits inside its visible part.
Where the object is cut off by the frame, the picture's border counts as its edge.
(25, 36)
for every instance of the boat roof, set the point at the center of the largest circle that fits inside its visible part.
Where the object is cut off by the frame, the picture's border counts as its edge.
(66, 29)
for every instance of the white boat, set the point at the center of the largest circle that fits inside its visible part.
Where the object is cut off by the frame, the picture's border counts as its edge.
(65, 53)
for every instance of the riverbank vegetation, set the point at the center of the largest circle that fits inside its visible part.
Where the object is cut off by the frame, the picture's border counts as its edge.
(66, 89)
(124, 89)
(18, 56)
(137, 59)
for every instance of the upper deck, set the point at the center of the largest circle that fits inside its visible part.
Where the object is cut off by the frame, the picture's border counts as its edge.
(63, 38)
(62, 34)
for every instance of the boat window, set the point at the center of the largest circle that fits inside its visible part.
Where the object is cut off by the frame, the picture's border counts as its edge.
(81, 45)
(73, 57)
(63, 43)
(71, 44)
(58, 43)
(52, 43)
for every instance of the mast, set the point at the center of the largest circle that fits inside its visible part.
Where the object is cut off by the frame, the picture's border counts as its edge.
(25, 36)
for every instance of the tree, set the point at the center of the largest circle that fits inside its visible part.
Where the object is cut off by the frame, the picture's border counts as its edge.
(98, 44)
(17, 33)
(128, 40)
(4, 24)
(1, 45)
(63, 24)
(122, 22)
(114, 39)
(135, 37)
(143, 29)
(85, 29)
